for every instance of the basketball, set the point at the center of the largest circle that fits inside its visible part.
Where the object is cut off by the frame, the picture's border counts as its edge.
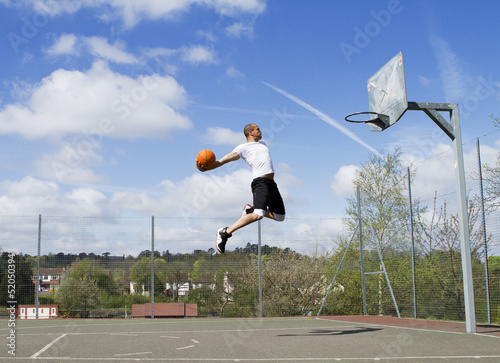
(206, 158)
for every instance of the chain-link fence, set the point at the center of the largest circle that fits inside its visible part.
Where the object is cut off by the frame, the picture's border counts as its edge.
(101, 267)
(412, 265)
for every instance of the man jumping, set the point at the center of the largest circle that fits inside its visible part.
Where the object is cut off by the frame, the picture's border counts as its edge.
(267, 201)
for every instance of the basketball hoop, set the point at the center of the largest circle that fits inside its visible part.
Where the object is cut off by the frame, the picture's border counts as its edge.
(378, 120)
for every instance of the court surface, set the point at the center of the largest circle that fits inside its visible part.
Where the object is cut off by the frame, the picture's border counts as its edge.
(297, 339)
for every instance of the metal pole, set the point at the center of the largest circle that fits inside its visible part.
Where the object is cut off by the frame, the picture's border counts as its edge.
(37, 299)
(470, 316)
(453, 131)
(362, 267)
(152, 288)
(485, 239)
(412, 250)
(337, 272)
(387, 280)
(259, 252)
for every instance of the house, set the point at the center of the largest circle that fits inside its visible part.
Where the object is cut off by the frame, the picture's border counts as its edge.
(136, 288)
(204, 280)
(49, 279)
(181, 288)
(184, 285)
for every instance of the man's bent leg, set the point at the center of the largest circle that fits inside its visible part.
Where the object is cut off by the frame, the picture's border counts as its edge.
(243, 221)
(275, 216)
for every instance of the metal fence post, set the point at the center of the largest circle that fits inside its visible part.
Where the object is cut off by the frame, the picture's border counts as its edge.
(412, 250)
(470, 314)
(362, 264)
(37, 294)
(259, 251)
(486, 271)
(152, 288)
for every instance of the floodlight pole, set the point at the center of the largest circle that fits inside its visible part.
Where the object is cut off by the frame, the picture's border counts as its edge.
(453, 131)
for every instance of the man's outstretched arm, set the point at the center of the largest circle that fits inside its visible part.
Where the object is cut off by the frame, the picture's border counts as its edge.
(232, 156)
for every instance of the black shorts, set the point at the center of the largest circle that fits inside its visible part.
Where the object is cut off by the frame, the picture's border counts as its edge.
(266, 196)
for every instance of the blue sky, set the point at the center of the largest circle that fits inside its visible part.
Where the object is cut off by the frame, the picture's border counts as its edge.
(104, 104)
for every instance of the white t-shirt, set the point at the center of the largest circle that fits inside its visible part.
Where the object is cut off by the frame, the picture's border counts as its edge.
(257, 156)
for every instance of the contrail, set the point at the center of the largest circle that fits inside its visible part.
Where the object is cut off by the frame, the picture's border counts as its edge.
(248, 111)
(324, 117)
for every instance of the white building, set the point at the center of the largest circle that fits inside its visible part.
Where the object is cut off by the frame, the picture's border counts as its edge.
(44, 311)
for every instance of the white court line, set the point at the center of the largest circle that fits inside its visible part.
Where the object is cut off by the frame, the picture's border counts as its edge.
(189, 346)
(396, 327)
(47, 346)
(91, 323)
(125, 354)
(291, 359)
(186, 347)
(203, 331)
(410, 328)
(487, 335)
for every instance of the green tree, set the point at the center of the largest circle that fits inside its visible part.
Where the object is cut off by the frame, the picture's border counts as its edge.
(494, 267)
(78, 295)
(140, 272)
(491, 178)
(385, 215)
(384, 202)
(291, 283)
(345, 298)
(95, 271)
(442, 291)
(22, 275)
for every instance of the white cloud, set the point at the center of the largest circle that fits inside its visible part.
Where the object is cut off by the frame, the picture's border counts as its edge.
(98, 101)
(199, 195)
(158, 53)
(132, 12)
(239, 29)
(194, 55)
(453, 77)
(65, 44)
(234, 73)
(424, 81)
(209, 194)
(29, 186)
(435, 173)
(72, 163)
(54, 8)
(236, 7)
(192, 238)
(116, 53)
(86, 199)
(135, 202)
(201, 203)
(70, 44)
(342, 184)
(310, 236)
(223, 136)
(198, 54)
(32, 196)
(207, 35)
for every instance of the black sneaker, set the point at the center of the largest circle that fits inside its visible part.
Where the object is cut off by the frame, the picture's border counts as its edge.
(246, 210)
(221, 240)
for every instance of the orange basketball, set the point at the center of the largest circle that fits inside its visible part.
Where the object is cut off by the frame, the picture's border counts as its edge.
(206, 158)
